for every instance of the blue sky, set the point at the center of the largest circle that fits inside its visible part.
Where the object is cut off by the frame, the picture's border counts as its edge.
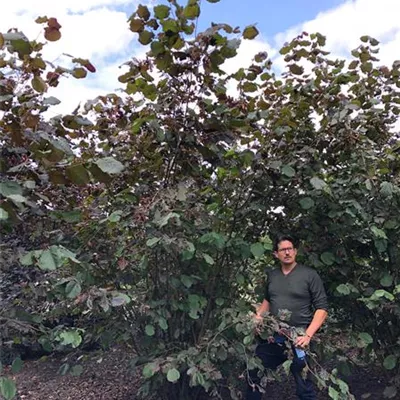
(98, 30)
(271, 16)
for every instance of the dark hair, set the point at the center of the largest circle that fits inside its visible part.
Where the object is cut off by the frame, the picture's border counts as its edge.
(289, 238)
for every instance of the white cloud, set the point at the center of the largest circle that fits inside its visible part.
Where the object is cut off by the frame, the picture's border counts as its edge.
(56, 7)
(344, 25)
(244, 58)
(98, 30)
(246, 52)
(92, 29)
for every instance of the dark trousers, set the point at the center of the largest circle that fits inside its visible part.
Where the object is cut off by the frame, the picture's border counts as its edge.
(272, 355)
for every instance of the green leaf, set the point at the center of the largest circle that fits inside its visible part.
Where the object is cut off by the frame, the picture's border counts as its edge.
(72, 338)
(120, 299)
(152, 242)
(390, 392)
(307, 203)
(47, 261)
(146, 37)
(257, 249)
(249, 87)
(27, 259)
(219, 301)
(30, 184)
(115, 216)
(328, 258)
(69, 216)
(164, 61)
(51, 101)
(240, 279)
(17, 199)
(390, 362)
(214, 239)
(382, 293)
(191, 11)
(143, 12)
(7, 388)
(63, 253)
(21, 46)
(208, 259)
(173, 375)
(386, 189)
(286, 366)
(194, 314)
(78, 174)
(250, 32)
(63, 369)
(222, 354)
(79, 73)
(396, 289)
(170, 25)
(8, 188)
(366, 338)
(187, 281)
(136, 25)
(39, 84)
(248, 339)
(59, 143)
(17, 365)
(3, 214)
(288, 171)
(296, 69)
(285, 50)
(157, 48)
(150, 369)
(73, 289)
(161, 11)
(343, 289)
(163, 323)
(76, 370)
(386, 280)
(110, 165)
(317, 183)
(333, 393)
(354, 64)
(373, 41)
(149, 329)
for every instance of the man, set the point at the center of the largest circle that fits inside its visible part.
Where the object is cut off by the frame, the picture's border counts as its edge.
(299, 289)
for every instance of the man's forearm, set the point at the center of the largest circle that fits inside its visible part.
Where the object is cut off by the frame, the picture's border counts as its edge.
(316, 323)
(264, 307)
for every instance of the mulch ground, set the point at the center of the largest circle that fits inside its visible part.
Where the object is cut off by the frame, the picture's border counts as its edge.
(107, 376)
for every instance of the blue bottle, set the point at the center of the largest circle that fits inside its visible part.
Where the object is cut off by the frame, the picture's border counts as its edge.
(301, 354)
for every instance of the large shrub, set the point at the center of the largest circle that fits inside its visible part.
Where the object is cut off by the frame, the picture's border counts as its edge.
(147, 217)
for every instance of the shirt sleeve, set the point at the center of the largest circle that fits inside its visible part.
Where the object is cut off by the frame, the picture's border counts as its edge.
(318, 294)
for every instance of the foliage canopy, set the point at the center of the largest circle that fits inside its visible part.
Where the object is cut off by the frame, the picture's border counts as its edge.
(147, 217)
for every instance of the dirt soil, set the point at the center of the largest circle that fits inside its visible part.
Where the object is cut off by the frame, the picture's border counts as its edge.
(107, 376)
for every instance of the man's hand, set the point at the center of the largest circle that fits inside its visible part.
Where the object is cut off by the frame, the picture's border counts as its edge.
(258, 319)
(303, 341)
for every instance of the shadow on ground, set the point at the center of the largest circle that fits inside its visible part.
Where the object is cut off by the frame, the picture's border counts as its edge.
(107, 376)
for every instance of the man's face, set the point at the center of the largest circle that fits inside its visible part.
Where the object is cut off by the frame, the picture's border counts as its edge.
(286, 252)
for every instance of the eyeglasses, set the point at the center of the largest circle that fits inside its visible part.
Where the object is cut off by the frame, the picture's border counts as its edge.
(286, 249)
